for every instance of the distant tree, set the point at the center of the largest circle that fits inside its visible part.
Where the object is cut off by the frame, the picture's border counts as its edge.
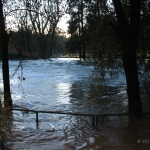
(99, 36)
(60, 43)
(43, 18)
(73, 44)
(77, 11)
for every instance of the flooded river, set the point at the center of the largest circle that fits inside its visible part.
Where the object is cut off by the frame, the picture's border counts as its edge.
(67, 85)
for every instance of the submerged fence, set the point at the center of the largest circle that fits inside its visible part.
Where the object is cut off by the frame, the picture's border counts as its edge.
(93, 116)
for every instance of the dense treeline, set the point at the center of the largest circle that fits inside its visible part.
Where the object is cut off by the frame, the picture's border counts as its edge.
(113, 29)
(96, 28)
(24, 43)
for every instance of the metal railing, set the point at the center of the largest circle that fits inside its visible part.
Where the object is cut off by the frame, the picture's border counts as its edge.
(94, 116)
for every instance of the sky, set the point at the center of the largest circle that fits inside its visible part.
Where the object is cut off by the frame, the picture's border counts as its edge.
(63, 23)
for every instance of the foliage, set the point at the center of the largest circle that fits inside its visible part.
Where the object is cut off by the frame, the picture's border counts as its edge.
(72, 44)
(77, 11)
(144, 45)
(25, 41)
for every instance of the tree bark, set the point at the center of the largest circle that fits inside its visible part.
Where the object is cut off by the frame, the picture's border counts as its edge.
(4, 39)
(127, 34)
(130, 67)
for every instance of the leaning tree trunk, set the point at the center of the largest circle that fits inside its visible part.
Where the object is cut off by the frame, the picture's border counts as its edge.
(4, 39)
(128, 33)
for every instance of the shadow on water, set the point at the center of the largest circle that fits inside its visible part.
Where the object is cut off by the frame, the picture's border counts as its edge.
(97, 99)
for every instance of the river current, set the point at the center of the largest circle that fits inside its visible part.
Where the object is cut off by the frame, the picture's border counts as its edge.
(67, 85)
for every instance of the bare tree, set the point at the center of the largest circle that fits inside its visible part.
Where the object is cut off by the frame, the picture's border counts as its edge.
(43, 17)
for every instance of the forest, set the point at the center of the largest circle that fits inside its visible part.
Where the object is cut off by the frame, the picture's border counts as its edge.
(113, 33)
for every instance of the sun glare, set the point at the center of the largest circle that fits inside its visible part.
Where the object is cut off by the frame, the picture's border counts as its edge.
(63, 24)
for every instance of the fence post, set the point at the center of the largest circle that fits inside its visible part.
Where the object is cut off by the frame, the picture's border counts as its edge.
(93, 120)
(37, 116)
(96, 119)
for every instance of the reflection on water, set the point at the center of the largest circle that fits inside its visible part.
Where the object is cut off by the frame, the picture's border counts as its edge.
(67, 85)
(63, 90)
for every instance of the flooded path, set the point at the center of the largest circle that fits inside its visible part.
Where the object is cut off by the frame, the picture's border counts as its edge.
(67, 85)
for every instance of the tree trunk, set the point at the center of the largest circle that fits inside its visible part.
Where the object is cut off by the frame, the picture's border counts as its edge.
(5, 69)
(4, 38)
(130, 67)
(52, 40)
(82, 31)
(79, 29)
(127, 34)
(83, 49)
